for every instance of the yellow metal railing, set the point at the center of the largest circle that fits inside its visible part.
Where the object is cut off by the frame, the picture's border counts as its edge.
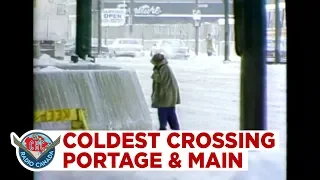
(77, 116)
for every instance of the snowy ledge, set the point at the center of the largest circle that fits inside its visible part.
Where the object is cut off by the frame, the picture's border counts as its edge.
(74, 67)
(47, 64)
(112, 96)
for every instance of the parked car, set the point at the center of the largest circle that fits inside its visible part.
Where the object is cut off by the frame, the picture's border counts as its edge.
(171, 48)
(270, 49)
(69, 48)
(47, 47)
(104, 50)
(126, 47)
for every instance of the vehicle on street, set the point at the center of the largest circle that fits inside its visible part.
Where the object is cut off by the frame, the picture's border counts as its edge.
(171, 48)
(104, 50)
(69, 48)
(126, 48)
(47, 47)
(270, 49)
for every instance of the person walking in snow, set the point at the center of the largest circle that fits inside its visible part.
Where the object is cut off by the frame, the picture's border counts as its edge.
(165, 93)
(210, 47)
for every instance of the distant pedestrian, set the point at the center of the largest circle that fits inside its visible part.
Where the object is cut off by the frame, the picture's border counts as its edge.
(165, 93)
(210, 47)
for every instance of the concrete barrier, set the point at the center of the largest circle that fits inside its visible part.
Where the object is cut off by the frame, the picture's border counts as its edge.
(112, 96)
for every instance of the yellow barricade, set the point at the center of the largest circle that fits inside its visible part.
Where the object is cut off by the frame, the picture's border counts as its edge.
(78, 117)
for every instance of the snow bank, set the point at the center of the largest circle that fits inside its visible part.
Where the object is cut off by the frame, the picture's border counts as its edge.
(47, 69)
(262, 166)
(45, 59)
(112, 96)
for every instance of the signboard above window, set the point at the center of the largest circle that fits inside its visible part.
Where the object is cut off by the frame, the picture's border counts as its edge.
(147, 10)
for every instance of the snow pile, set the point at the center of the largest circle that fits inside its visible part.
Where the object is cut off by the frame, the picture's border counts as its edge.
(45, 59)
(113, 98)
(37, 69)
(262, 166)
(47, 69)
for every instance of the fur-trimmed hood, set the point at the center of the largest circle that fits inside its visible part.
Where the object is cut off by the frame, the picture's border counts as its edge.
(165, 89)
(159, 62)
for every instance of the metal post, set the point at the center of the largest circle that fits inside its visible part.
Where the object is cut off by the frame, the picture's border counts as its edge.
(253, 66)
(226, 31)
(278, 32)
(83, 31)
(68, 32)
(187, 34)
(131, 17)
(106, 35)
(47, 26)
(142, 37)
(197, 31)
(99, 27)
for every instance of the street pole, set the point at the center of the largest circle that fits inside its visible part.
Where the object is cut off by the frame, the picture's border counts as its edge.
(131, 17)
(197, 30)
(226, 31)
(83, 29)
(47, 26)
(278, 32)
(253, 66)
(106, 35)
(99, 27)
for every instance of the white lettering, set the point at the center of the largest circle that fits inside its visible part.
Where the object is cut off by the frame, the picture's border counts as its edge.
(113, 17)
(147, 10)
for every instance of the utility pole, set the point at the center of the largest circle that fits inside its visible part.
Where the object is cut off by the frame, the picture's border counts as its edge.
(253, 64)
(131, 15)
(47, 25)
(83, 29)
(197, 30)
(226, 31)
(99, 27)
(278, 32)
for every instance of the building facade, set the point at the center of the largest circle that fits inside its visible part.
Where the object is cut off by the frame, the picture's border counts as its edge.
(50, 20)
(170, 13)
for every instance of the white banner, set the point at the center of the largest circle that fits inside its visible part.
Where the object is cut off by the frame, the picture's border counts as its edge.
(113, 17)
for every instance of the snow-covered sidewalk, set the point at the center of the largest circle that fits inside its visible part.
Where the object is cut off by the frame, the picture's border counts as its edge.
(210, 101)
(210, 92)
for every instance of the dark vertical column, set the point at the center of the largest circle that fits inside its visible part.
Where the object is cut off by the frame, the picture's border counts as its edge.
(99, 27)
(278, 32)
(131, 16)
(253, 67)
(83, 30)
(226, 30)
(197, 31)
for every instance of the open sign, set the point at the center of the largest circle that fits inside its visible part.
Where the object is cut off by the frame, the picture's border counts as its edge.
(113, 17)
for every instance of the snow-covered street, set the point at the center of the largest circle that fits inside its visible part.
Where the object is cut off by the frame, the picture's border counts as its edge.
(210, 101)
(83, 82)
(210, 92)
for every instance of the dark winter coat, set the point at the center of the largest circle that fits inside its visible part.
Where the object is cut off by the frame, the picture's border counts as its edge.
(165, 89)
(209, 44)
